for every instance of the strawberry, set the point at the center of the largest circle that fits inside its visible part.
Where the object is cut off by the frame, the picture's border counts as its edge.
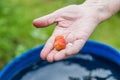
(59, 43)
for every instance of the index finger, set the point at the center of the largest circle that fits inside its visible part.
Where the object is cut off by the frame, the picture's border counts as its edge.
(47, 48)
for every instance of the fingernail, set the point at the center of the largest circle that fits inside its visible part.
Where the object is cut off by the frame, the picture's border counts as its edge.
(35, 23)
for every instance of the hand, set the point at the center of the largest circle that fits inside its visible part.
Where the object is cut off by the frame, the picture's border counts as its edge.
(75, 23)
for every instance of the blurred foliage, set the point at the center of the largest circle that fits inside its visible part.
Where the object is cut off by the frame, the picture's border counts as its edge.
(17, 33)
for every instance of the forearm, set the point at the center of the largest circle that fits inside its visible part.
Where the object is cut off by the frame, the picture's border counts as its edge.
(104, 8)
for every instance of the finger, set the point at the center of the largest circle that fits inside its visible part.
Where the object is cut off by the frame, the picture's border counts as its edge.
(80, 37)
(75, 47)
(70, 50)
(47, 48)
(50, 56)
(45, 20)
(60, 55)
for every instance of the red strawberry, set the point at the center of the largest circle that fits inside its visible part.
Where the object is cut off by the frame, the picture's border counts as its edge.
(59, 43)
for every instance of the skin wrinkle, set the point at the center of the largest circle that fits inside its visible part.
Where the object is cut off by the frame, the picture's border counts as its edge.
(65, 24)
(65, 21)
(69, 15)
(52, 20)
(58, 31)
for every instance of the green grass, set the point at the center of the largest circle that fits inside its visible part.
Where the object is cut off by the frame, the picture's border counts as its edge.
(108, 32)
(17, 34)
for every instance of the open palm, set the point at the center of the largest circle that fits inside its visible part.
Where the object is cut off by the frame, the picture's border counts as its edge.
(75, 23)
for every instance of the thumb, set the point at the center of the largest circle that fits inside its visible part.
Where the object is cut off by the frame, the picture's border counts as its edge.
(45, 20)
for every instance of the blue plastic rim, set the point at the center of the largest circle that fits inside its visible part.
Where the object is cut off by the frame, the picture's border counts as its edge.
(32, 56)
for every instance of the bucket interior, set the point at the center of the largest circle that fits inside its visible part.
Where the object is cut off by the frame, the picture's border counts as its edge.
(83, 66)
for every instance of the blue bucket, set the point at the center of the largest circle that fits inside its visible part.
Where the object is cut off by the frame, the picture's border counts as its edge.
(30, 62)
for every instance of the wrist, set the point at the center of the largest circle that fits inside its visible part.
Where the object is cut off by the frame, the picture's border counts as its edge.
(103, 8)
